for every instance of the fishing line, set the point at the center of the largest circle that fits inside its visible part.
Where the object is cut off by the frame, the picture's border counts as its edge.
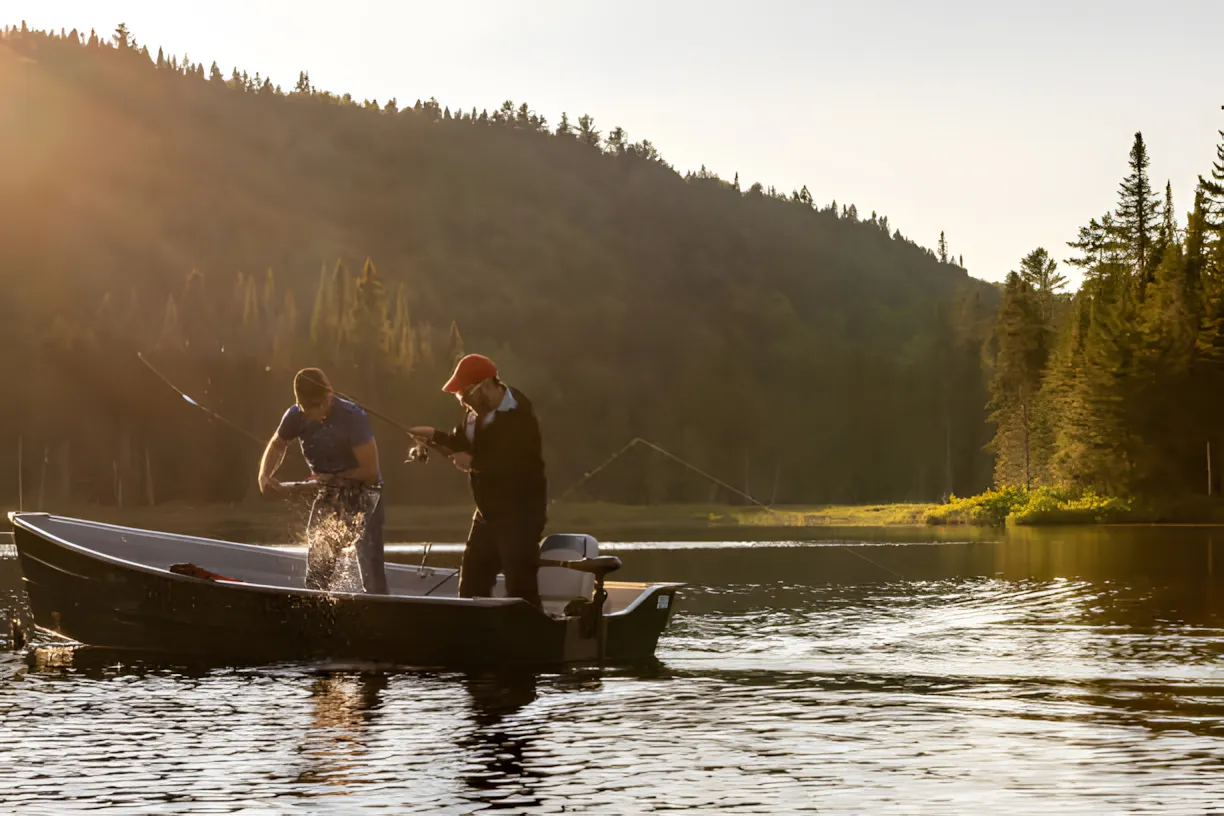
(637, 440)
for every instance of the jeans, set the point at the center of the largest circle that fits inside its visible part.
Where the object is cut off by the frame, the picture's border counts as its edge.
(337, 516)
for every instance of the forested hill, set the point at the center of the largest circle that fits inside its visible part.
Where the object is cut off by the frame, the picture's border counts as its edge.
(235, 231)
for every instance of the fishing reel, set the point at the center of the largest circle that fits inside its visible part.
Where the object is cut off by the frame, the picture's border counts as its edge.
(418, 453)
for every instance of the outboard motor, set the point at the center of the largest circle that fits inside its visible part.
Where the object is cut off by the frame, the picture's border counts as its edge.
(573, 571)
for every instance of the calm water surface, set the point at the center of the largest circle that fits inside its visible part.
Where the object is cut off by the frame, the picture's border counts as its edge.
(1052, 672)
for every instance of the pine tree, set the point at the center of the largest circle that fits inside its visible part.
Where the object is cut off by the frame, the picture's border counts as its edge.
(402, 335)
(369, 336)
(454, 345)
(1095, 441)
(1039, 271)
(1168, 222)
(1138, 214)
(617, 141)
(215, 75)
(1213, 190)
(1020, 361)
(587, 134)
(943, 248)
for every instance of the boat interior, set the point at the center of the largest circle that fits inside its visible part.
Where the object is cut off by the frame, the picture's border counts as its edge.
(286, 568)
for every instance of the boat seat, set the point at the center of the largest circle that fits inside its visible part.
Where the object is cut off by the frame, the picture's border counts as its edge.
(564, 585)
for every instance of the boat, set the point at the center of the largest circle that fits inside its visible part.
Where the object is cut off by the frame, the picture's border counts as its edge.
(142, 591)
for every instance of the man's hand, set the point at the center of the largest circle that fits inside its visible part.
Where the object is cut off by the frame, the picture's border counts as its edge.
(269, 486)
(424, 433)
(323, 478)
(462, 460)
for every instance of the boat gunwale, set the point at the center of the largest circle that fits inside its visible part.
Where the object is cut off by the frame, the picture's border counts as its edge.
(24, 521)
(15, 518)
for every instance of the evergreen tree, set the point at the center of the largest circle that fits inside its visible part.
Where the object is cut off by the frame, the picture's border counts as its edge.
(1039, 271)
(617, 141)
(587, 134)
(1168, 222)
(369, 335)
(1138, 214)
(1094, 445)
(1016, 380)
(454, 345)
(943, 248)
(1213, 190)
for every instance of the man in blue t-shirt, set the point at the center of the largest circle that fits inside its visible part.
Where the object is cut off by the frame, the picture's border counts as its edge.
(338, 446)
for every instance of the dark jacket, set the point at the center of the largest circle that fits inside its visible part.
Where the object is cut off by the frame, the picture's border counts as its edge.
(507, 475)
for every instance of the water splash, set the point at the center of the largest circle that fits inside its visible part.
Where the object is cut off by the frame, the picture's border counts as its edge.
(332, 539)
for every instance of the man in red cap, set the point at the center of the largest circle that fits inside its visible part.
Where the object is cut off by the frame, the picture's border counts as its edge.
(498, 445)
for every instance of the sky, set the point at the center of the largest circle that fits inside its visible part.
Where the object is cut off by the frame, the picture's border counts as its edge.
(1007, 126)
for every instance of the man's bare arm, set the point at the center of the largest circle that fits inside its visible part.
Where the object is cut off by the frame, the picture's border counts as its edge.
(273, 456)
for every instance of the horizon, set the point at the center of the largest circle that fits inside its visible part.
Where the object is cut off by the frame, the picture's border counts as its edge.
(946, 174)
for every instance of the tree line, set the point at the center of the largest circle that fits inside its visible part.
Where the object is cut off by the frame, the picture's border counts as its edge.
(1118, 386)
(233, 232)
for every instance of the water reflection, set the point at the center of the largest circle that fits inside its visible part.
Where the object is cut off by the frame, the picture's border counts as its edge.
(496, 771)
(343, 706)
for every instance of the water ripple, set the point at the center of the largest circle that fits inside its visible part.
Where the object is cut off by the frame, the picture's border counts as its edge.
(955, 694)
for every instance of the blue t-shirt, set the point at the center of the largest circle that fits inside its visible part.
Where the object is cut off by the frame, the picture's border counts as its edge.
(327, 446)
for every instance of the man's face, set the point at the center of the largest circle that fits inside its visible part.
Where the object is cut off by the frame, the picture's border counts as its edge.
(318, 411)
(480, 397)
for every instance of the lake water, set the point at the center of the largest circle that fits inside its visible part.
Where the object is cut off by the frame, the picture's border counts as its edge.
(1032, 672)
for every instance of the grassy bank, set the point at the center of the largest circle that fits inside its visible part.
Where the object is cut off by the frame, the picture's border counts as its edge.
(1057, 506)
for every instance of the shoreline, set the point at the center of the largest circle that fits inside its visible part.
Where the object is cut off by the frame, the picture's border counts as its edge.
(286, 521)
(283, 521)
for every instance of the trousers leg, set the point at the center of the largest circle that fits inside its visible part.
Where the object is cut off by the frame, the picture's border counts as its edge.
(518, 544)
(371, 559)
(478, 571)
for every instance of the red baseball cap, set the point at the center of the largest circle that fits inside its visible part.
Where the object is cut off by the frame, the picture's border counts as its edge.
(470, 370)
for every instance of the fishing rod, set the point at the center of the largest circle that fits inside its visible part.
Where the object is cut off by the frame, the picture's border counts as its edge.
(211, 413)
(414, 454)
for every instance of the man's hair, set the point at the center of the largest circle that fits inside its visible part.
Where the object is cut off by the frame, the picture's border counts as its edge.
(310, 386)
